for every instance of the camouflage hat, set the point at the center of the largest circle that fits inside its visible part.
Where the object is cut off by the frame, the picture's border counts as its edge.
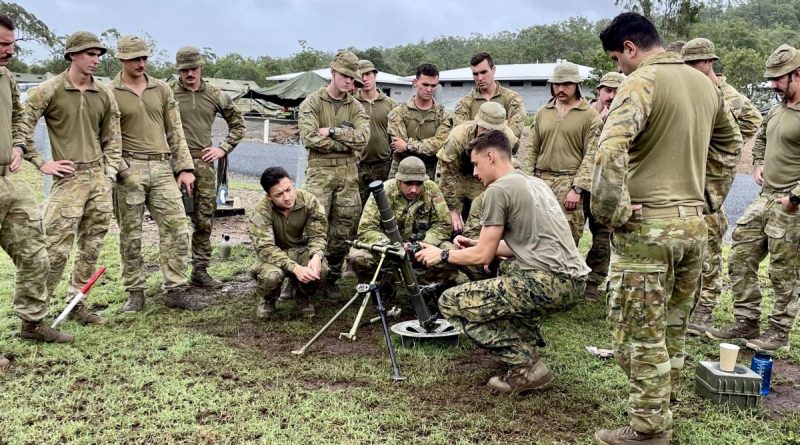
(698, 49)
(131, 47)
(411, 169)
(611, 79)
(345, 62)
(365, 66)
(491, 116)
(81, 41)
(782, 61)
(675, 47)
(566, 73)
(188, 58)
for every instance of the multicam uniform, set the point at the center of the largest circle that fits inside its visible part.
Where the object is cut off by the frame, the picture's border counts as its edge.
(657, 251)
(425, 130)
(467, 108)
(375, 159)
(84, 128)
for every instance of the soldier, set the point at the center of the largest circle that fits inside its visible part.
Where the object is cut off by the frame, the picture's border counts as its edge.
(418, 207)
(489, 90)
(153, 150)
(600, 253)
(561, 144)
(667, 122)
(289, 233)
(335, 129)
(454, 170)
(520, 218)
(771, 224)
(699, 54)
(199, 103)
(376, 158)
(83, 123)
(420, 126)
(21, 232)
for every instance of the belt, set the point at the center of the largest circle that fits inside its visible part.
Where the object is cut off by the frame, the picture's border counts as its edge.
(552, 173)
(772, 193)
(86, 165)
(331, 162)
(667, 212)
(378, 162)
(196, 154)
(147, 157)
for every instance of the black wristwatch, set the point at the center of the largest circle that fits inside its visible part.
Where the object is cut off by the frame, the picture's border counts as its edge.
(577, 189)
(794, 199)
(445, 255)
(409, 148)
(331, 131)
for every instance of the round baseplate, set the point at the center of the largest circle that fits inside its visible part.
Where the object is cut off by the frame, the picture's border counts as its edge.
(411, 333)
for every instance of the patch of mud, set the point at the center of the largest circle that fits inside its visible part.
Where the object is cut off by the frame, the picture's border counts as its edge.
(784, 398)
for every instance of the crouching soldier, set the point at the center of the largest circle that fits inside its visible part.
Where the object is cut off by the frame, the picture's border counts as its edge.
(289, 233)
(421, 214)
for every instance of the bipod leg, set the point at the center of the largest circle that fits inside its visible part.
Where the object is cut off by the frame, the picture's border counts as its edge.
(357, 322)
(382, 313)
(302, 350)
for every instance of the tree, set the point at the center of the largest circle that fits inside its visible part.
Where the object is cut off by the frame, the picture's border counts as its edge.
(29, 27)
(672, 17)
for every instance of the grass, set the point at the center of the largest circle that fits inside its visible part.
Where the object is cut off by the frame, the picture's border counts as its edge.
(220, 376)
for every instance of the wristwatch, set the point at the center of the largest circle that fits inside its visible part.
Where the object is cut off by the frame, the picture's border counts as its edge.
(794, 199)
(331, 131)
(577, 189)
(445, 255)
(409, 148)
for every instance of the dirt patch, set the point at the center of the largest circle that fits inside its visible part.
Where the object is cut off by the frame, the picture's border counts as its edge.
(314, 384)
(284, 134)
(784, 398)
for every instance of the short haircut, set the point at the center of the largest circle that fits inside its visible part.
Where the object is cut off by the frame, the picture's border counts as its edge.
(480, 57)
(7, 23)
(491, 139)
(427, 69)
(629, 26)
(272, 176)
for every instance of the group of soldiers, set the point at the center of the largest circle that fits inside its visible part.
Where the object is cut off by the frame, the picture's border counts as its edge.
(647, 164)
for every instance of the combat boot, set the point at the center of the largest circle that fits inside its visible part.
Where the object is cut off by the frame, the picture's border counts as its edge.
(629, 436)
(85, 316)
(36, 330)
(774, 339)
(742, 329)
(266, 309)
(305, 306)
(135, 301)
(702, 320)
(592, 293)
(287, 290)
(176, 298)
(4, 363)
(522, 379)
(201, 278)
(331, 291)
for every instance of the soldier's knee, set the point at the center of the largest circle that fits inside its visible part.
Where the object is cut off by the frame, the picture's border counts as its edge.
(268, 277)
(448, 303)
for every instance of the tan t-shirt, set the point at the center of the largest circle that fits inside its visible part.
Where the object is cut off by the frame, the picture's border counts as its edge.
(536, 229)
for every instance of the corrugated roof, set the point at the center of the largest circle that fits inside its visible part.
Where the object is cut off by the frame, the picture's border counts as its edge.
(325, 73)
(522, 71)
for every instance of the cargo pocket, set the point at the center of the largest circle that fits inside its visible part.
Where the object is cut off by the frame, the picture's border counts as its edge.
(71, 212)
(774, 231)
(35, 219)
(638, 300)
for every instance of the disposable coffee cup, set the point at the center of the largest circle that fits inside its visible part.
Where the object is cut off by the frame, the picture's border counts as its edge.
(727, 356)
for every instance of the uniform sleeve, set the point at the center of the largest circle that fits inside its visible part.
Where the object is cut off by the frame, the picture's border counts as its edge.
(396, 126)
(448, 172)
(354, 139)
(591, 133)
(760, 145)
(723, 155)
(233, 117)
(181, 158)
(533, 148)
(796, 191)
(316, 229)
(308, 125)
(611, 200)
(263, 239)
(431, 145)
(462, 112)
(111, 137)
(749, 119)
(472, 227)
(494, 208)
(369, 227)
(440, 225)
(24, 121)
(516, 114)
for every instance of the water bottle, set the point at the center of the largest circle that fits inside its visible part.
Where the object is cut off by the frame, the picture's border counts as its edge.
(225, 247)
(762, 365)
(222, 195)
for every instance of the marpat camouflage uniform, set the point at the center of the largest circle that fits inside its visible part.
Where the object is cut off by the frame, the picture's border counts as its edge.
(424, 130)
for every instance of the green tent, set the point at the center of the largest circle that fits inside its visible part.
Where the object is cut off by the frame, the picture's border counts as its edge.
(290, 93)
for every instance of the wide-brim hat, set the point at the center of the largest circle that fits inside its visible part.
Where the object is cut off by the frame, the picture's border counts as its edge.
(412, 169)
(491, 116)
(81, 41)
(188, 58)
(345, 62)
(611, 79)
(782, 61)
(698, 49)
(565, 73)
(131, 47)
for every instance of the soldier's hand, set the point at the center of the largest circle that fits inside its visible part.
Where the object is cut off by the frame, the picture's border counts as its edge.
(57, 168)
(186, 180)
(787, 205)
(462, 242)
(323, 132)
(398, 144)
(458, 223)
(316, 264)
(758, 174)
(429, 255)
(572, 200)
(16, 159)
(211, 154)
(304, 274)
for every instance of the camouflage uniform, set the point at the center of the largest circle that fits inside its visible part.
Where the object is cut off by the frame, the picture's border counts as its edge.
(146, 176)
(21, 231)
(424, 130)
(467, 108)
(84, 128)
(332, 175)
(375, 159)
(198, 110)
(657, 251)
(282, 242)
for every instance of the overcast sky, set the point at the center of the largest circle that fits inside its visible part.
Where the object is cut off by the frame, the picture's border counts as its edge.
(254, 28)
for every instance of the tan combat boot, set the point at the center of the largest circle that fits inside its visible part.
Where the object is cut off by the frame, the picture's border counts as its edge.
(85, 316)
(176, 298)
(522, 379)
(201, 278)
(135, 301)
(702, 320)
(266, 309)
(4, 364)
(629, 436)
(36, 330)
(742, 329)
(774, 339)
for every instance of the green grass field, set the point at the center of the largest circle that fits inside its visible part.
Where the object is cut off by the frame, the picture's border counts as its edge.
(221, 376)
